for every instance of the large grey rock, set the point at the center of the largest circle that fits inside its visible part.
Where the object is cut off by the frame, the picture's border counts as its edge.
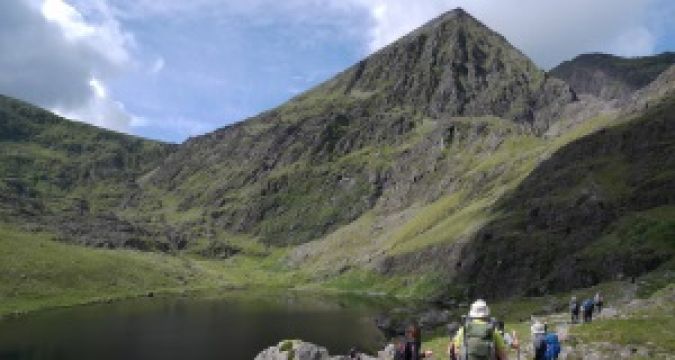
(300, 350)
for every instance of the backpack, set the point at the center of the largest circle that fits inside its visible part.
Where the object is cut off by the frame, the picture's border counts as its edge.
(552, 346)
(407, 351)
(478, 340)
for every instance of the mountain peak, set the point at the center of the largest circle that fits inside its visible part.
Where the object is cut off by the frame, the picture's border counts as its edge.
(452, 17)
(455, 66)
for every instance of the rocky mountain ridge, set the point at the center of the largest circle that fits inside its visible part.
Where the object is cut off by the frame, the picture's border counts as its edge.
(612, 77)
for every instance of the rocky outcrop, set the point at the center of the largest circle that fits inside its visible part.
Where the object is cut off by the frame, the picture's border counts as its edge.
(299, 350)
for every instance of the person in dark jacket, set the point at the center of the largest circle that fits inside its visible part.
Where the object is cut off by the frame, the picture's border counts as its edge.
(574, 310)
(599, 301)
(410, 349)
(588, 307)
(539, 341)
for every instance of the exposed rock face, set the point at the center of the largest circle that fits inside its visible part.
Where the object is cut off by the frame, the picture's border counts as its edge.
(611, 77)
(455, 66)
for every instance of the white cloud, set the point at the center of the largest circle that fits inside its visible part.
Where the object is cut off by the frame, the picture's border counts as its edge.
(157, 66)
(98, 88)
(102, 112)
(61, 60)
(634, 42)
(70, 20)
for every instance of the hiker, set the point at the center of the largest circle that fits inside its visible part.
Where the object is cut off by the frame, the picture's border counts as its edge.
(478, 338)
(588, 306)
(574, 309)
(598, 302)
(409, 348)
(510, 339)
(552, 344)
(539, 341)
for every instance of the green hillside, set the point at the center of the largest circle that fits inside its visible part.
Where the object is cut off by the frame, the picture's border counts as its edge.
(69, 177)
(430, 169)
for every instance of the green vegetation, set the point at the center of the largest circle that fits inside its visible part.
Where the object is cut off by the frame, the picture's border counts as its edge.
(413, 287)
(649, 324)
(37, 272)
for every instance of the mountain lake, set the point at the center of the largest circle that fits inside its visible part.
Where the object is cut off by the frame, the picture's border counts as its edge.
(237, 325)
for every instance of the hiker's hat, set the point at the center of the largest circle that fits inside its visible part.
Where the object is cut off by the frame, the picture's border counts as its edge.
(538, 328)
(479, 309)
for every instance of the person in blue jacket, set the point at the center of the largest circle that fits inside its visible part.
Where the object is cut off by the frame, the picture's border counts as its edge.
(552, 345)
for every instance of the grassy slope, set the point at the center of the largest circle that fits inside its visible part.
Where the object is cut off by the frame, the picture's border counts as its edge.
(444, 221)
(55, 161)
(37, 272)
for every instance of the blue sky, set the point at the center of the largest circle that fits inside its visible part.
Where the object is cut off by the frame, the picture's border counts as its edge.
(172, 69)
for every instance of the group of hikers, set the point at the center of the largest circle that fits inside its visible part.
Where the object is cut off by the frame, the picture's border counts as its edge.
(483, 338)
(588, 306)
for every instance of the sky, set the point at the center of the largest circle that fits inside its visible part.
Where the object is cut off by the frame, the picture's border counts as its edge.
(173, 69)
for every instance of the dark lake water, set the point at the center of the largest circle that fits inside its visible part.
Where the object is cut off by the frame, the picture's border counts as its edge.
(237, 326)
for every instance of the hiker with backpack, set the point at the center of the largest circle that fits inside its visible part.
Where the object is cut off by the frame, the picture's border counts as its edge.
(478, 338)
(539, 345)
(574, 309)
(410, 347)
(598, 302)
(588, 307)
(552, 344)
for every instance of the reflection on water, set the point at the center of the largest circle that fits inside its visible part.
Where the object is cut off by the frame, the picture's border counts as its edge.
(234, 327)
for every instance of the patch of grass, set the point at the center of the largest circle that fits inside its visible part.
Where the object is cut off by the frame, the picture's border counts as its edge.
(430, 230)
(650, 325)
(416, 286)
(37, 272)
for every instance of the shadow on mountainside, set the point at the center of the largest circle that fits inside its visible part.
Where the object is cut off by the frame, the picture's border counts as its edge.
(600, 208)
